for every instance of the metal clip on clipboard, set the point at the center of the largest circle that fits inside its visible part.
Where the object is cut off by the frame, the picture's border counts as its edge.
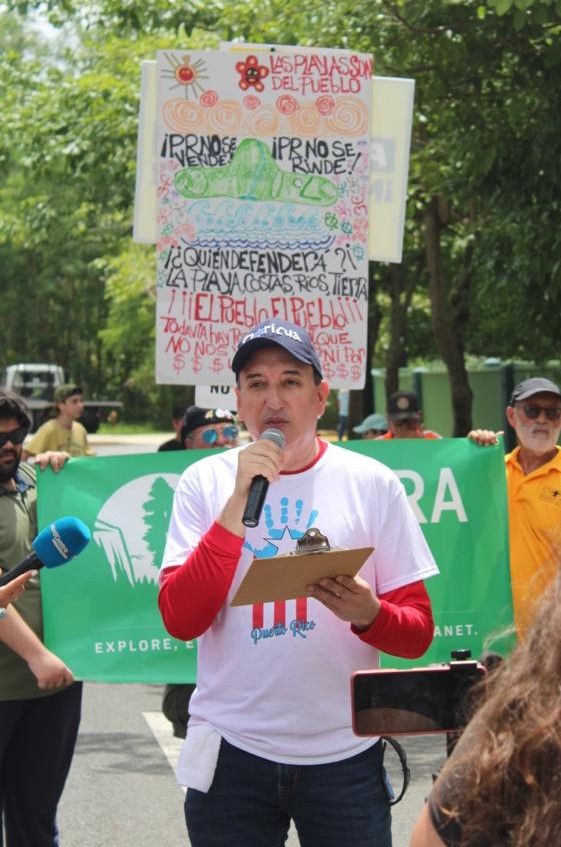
(313, 541)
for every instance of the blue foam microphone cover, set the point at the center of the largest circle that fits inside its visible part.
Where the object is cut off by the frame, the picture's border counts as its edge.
(61, 541)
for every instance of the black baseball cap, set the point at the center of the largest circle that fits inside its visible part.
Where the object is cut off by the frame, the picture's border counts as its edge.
(535, 385)
(195, 416)
(291, 337)
(403, 405)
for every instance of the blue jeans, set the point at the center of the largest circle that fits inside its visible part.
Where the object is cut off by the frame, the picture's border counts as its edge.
(252, 801)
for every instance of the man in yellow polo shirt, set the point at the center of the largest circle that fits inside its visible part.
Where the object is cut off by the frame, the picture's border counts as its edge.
(533, 474)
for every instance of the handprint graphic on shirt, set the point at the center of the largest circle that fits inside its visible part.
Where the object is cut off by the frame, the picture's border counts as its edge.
(283, 529)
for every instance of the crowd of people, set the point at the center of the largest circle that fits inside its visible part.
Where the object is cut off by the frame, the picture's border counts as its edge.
(253, 760)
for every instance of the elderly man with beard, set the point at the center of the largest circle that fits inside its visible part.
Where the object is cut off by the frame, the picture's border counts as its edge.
(533, 476)
(39, 700)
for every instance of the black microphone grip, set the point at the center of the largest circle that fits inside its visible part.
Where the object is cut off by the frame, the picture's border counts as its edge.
(255, 500)
(30, 563)
(260, 484)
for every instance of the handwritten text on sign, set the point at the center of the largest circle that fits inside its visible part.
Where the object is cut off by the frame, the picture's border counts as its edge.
(263, 207)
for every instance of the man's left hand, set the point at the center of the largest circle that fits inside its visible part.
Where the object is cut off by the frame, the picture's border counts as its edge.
(53, 458)
(350, 598)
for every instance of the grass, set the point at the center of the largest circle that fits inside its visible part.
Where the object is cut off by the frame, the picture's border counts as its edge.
(122, 428)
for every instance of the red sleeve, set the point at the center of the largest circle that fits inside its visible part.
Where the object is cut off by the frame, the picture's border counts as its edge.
(404, 625)
(192, 594)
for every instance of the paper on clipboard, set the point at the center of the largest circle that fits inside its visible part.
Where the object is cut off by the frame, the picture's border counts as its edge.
(287, 577)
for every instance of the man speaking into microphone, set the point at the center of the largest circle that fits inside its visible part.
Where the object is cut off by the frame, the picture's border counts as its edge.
(270, 736)
(39, 700)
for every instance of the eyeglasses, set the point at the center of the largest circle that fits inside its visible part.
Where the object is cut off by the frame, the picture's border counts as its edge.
(211, 436)
(533, 412)
(16, 436)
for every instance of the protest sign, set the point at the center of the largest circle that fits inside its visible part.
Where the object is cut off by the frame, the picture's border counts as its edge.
(101, 612)
(263, 190)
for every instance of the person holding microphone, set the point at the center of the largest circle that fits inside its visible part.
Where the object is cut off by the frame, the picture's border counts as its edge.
(270, 736)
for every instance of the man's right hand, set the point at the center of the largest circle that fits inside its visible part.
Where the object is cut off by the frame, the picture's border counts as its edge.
(260, 458)
(484, 437)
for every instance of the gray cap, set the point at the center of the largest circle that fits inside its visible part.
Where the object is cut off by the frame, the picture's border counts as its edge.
(535, 385)
(375, 422)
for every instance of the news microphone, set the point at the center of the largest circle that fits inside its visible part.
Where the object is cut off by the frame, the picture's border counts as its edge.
(56, 544)
(260, 484)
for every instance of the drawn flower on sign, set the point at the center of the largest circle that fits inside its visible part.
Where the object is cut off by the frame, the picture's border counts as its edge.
(251, 73)
(186, 231)
(347, 227)
(287, 105)
(361, 229)
(166, 241)
(358, 251)
(331, 220)
(209, 98)
(185, 74)
(251, 101)
(325, 104)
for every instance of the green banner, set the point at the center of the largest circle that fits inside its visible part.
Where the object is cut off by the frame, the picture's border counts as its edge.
(101, 613)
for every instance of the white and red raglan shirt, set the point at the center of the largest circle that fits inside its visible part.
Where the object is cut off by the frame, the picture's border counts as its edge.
(274, 678)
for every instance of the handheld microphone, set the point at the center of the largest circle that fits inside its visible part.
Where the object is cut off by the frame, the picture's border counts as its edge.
(260, 484)
(56, 544)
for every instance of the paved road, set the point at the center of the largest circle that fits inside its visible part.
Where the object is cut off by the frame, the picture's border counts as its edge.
(121, 791)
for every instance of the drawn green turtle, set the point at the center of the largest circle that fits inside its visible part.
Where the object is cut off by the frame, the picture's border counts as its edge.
(253, 174)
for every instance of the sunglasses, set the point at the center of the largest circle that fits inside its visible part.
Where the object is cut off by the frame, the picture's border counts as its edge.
(533, 412)
(211, 436)
(16, 436)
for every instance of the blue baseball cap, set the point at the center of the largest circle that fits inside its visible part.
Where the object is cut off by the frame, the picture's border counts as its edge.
(377, 423)
(291, 337)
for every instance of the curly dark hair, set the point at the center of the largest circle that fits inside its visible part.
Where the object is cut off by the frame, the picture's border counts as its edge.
(503, 783)
(14, 406)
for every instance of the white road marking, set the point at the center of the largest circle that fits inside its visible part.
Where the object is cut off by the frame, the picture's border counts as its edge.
(163, 733)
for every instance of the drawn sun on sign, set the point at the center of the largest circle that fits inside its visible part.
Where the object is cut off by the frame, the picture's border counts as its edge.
(185, 73)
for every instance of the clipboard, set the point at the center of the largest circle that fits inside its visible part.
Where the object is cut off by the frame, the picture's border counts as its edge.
(287, 577)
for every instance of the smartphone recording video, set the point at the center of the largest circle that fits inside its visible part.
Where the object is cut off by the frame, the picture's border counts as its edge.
(417, 700)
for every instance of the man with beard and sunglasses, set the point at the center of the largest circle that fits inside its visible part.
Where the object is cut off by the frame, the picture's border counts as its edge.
(39, 700)
(200, 429)
(533, 477)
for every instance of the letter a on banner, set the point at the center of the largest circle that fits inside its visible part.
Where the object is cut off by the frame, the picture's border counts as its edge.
(263, 192)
